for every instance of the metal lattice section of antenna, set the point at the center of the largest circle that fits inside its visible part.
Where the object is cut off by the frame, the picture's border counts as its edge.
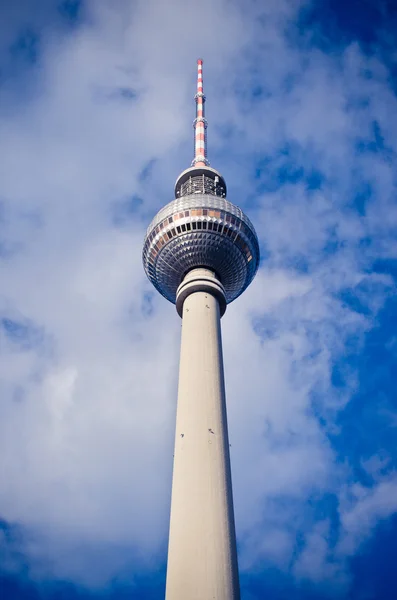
(200, 123)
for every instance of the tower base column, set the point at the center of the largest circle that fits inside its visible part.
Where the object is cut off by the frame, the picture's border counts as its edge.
(202, 556)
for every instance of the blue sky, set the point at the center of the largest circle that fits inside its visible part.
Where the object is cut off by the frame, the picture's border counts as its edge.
(96, 106)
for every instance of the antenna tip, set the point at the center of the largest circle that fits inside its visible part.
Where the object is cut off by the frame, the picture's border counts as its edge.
(199, 61)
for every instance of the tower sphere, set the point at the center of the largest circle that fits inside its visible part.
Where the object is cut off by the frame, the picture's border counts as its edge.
(200, 228)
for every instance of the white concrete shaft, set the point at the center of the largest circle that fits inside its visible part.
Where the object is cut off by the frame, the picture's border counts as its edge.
(202, 556)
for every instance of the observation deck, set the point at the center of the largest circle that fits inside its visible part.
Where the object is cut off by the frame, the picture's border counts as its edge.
(201, 228)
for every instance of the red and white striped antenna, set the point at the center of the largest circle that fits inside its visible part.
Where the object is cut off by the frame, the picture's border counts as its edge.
(200, 123)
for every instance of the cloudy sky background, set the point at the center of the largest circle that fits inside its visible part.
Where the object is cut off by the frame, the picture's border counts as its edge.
(96, 105)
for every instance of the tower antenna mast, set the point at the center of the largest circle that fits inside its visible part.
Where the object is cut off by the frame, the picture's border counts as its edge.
(200, 123)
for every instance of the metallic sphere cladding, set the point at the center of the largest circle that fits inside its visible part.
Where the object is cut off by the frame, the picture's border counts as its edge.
(201, 230)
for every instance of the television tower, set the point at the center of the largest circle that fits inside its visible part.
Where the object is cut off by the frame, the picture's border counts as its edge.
(201, 252)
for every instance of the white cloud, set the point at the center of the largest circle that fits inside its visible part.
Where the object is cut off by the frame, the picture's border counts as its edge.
(361, 508)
